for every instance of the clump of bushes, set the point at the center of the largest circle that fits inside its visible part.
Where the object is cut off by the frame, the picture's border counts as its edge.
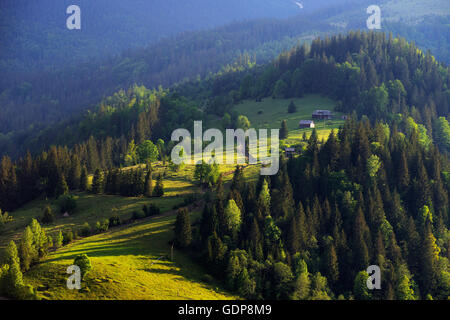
(136, 215)
(151, 210)
(5, 218)
(187, 200)
(114, 221)
(67, 203)
(84, 263)
(67, 237)
(48, 216)
(85, 230)
(102, 226)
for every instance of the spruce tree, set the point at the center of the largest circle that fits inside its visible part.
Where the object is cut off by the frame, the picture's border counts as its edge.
(331, 262)
(429, 260)
(284, 130)
(148, 185)
(59, 239)
(183, 233)
(292, 108)
(84, 179)
(61, 187)
(360, 289)
(48, 216)
(97, 182)
(74, 176)
(302, 285)
(233, 218)
(360, 250)
(158, 191)
(27, 252)
(255, 241)
(13, 280)
(293, 236)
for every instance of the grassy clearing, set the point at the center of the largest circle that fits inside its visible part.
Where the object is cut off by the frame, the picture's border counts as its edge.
(269, 113)
(92, 208)
(125, 267)
(129, 262)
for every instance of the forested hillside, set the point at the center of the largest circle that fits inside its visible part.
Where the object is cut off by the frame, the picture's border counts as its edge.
(31, 99)
(376, 191)
(35, 36)
(368, 73)
(369, 195)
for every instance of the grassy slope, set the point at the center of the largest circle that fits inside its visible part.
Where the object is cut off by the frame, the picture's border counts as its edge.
(122, 257)
(125, 267)
(92, 208)
(274, 111)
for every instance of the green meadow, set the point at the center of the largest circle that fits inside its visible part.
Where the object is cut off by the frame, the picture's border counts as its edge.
(132, 262)
(269, 113)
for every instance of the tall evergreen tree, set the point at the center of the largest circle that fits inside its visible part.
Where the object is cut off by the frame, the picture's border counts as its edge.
(158, 191)
(97, 182)
(183, 233)
(284, 131)
(84, 179)
(148, 185)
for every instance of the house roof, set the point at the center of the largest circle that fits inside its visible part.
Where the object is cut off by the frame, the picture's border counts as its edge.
(306, 121)
(322, 112)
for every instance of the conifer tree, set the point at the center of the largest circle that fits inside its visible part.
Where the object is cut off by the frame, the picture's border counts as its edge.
(360, 250)
(293, 236)
(429, 259)
(302, 226)
(27, 252)
(256, 241)
(208, 222)
(292, 108)
(61, 187)
(74, 176)
(59, 239)
(158, 191)
(233, 218)
(403, 172)
(360, 289)
(48, 216)
(183, 233)
(84, 179)
(284, 131)
(148, 185)
(264, 199)
(302, 283)
(331, 262)
(97, 182)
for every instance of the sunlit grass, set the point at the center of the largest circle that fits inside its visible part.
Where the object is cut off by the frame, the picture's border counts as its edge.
(126, 266)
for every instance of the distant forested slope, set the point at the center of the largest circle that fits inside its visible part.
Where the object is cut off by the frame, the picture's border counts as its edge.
(31, 99)
(34, 34)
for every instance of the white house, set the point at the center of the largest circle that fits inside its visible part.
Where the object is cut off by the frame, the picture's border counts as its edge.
(307, 124)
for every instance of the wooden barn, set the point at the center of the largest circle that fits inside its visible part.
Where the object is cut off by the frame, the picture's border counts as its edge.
(322, 114)
(306, 124)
